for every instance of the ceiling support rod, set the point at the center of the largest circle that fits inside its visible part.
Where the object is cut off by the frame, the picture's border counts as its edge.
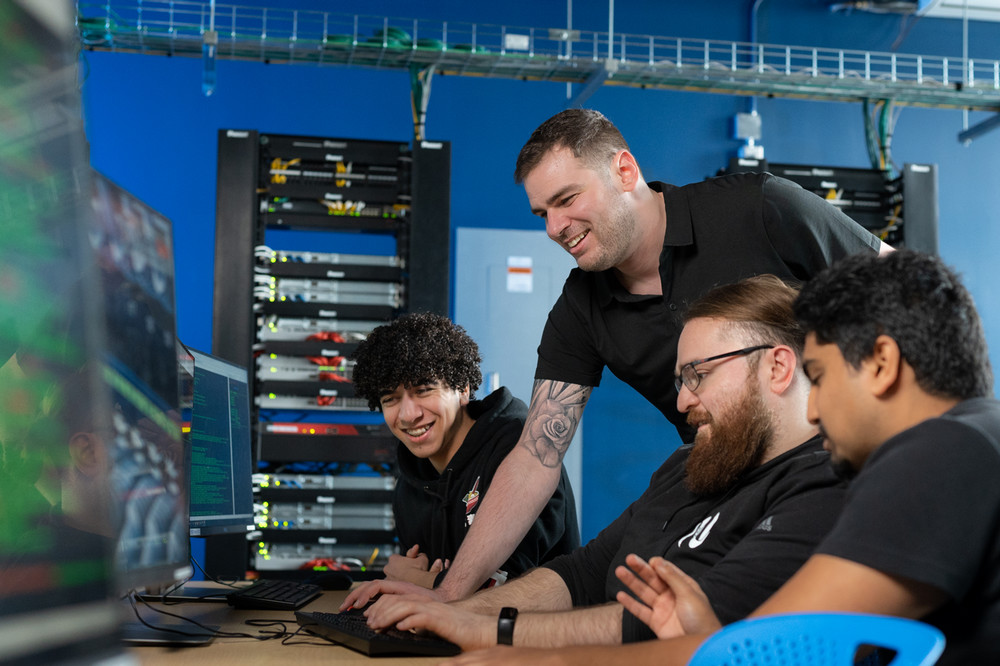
(420, 95)
(594, 81)
(966, 136)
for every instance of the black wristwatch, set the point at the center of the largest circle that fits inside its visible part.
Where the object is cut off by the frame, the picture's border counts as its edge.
(505, 626)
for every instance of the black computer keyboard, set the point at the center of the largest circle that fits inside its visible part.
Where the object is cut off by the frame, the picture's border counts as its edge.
(351, 630)
(274, 595)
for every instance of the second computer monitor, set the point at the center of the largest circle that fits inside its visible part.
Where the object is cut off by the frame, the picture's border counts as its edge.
(221, 466)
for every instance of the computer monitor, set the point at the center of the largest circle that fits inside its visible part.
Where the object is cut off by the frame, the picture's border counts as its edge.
(216, 431)
(56, 536)
(221, 468)
(148, 484)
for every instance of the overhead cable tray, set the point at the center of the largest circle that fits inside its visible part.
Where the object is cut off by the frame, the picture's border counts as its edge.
(191, 29)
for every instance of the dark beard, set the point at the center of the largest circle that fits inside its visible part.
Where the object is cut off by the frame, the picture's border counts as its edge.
(736, 444)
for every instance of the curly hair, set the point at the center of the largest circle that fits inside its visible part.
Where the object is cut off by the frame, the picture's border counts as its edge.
(414, 349)
(916, 300)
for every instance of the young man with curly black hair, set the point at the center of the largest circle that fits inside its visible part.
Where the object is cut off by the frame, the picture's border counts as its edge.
(421, 371)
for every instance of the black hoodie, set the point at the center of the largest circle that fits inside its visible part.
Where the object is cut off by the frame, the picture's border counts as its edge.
(435, 510)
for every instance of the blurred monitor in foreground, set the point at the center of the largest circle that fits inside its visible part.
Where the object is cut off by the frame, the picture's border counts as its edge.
(58, 533)
(149, 484)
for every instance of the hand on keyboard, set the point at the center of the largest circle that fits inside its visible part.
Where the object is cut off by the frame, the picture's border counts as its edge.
(353, 631)
(360, 595)
(414, 612)
(360, 610)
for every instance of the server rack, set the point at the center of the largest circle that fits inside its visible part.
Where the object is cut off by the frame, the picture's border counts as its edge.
(902, 211)
(293, 317)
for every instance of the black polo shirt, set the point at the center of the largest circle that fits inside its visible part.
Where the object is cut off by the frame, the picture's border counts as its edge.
(719, 231)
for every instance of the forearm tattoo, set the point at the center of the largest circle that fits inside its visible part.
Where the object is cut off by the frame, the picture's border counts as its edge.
(556, 408)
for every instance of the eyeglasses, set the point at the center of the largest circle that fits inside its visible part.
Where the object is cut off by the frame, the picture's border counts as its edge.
(690, 378)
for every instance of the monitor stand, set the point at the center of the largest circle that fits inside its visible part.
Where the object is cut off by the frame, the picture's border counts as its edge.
(163, 630)
(191, 591)
(136, 634)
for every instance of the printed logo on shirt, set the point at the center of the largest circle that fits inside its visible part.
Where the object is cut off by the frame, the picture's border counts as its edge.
(471, 498)
(499, 578)
(697, 536)
(765, 525)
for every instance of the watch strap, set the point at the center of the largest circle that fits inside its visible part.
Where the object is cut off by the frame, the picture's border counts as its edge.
(505, 626)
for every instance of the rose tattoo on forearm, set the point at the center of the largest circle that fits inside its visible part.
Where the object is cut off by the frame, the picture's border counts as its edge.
(556, 408)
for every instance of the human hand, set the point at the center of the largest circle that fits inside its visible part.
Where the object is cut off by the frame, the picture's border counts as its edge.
(364, 593)
(413, 568)
(416, 613)
(670, 602)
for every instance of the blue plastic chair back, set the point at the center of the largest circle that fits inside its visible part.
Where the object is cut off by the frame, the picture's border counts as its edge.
(819, 639)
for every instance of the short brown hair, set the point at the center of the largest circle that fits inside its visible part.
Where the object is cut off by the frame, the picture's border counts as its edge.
(760, 306)
(588, 133)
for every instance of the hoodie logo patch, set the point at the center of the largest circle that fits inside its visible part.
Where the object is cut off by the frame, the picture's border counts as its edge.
(471, 498)
(698, 535)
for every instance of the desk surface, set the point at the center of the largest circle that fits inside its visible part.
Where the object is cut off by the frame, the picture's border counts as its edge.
(305, 649)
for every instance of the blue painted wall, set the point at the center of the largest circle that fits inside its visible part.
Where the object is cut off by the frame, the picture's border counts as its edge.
(151, 129)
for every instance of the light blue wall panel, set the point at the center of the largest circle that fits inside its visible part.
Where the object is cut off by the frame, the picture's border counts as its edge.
(505, 283)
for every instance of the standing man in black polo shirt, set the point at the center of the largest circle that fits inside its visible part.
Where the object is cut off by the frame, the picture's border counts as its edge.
(644, 251)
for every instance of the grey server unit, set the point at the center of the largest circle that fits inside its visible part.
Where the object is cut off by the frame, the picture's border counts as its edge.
(305, 517)
(294, 317)
(902, 211)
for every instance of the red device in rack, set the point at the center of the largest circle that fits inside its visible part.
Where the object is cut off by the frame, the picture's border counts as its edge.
(323, 442)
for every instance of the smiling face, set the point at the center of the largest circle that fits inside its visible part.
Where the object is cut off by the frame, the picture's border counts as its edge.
(583, 211)
(838, 404)
(430, 419)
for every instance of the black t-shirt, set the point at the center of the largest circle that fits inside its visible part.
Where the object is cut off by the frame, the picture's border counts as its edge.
(719, 231)
(926, 506)
(740, 545)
